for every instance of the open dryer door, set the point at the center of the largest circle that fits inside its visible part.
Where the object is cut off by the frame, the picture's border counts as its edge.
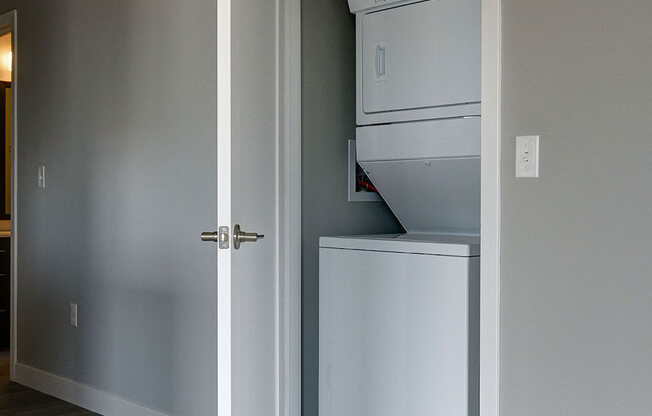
(428, 172)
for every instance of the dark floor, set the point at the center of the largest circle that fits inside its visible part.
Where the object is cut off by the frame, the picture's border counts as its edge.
(22, 401)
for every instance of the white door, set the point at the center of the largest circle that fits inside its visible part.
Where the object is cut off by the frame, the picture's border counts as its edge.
(247, 189)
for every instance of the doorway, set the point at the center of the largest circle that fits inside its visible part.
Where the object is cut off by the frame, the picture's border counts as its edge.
(5, 185)
(7, 243)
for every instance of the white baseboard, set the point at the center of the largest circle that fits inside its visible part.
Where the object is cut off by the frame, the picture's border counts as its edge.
(79, 394)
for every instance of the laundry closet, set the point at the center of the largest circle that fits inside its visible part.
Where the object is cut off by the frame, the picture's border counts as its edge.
(399, 313)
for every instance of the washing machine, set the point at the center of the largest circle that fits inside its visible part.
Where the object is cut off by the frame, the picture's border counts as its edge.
(399, 325)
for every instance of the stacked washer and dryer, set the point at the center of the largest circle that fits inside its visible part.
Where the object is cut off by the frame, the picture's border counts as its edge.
(399, 314)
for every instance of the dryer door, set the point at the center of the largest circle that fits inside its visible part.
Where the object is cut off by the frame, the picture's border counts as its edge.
(421, 55)
(428, 172)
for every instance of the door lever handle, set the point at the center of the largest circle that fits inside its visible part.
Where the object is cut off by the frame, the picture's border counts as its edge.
(240, 236)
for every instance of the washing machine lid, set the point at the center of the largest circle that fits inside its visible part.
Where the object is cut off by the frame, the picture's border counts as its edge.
(414, 243)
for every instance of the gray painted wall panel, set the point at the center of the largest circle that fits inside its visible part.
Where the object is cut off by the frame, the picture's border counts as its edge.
(117, 99)
(328, 118)
(576, 264)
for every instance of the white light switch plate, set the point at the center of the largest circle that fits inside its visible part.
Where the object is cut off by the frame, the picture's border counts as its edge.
(527, 157)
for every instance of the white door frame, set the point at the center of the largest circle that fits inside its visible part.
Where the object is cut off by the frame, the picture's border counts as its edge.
(490, 217)
(288, 221)
(10, 19)
(290, 123)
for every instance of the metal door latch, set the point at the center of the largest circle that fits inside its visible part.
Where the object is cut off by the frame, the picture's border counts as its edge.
(221, 237)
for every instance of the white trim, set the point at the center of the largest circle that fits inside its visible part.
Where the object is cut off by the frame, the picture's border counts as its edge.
(289, 226)
(490, 222)
(11, 19)
(80, 394)
(223, 206)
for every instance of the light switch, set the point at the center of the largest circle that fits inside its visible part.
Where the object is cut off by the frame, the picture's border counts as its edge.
(527, 157)
(73, 315)
(41, 176)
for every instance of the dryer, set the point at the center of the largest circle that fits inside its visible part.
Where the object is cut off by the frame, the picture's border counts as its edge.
(417, 60)
(418, 109)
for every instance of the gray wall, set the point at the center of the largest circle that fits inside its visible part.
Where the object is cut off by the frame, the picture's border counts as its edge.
(117, 99)
(576, 284)
(328, 118)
